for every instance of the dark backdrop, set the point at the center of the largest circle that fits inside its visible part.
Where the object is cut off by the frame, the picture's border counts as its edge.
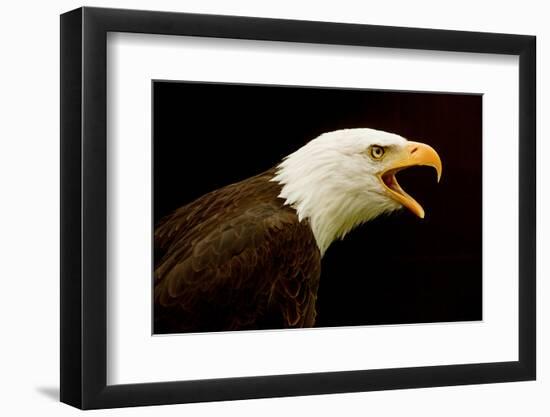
(396, 269)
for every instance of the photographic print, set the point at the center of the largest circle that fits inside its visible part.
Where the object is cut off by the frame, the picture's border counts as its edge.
(278, 207)
(231, 184)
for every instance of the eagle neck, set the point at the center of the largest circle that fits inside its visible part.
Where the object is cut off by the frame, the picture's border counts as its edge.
(331, 207)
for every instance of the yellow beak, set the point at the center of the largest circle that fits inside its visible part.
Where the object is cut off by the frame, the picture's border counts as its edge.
(417, 154)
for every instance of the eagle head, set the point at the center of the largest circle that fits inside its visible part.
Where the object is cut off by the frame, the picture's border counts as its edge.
(344, 178)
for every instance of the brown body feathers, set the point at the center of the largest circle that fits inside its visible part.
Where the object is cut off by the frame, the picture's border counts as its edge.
(235, 258)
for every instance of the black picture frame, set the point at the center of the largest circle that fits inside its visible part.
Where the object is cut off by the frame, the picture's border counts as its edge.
(84, 209)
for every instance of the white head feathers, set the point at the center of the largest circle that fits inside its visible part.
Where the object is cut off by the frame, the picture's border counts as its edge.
(333, 182)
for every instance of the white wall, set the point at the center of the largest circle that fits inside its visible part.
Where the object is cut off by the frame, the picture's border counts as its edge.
(29, 238)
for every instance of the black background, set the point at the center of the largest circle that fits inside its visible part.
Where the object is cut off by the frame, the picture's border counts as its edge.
(395, 269)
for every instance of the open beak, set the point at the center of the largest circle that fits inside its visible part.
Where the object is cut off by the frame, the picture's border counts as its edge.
(417, 154)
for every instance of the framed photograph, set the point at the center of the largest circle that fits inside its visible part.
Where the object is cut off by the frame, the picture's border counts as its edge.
(257, 208)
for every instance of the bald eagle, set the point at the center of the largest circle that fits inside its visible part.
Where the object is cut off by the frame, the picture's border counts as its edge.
(248, 255)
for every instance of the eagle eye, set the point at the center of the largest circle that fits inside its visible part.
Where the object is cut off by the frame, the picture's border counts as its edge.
(376, 151)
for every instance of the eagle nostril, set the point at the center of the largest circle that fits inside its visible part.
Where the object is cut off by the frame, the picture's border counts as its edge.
(414, 150)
